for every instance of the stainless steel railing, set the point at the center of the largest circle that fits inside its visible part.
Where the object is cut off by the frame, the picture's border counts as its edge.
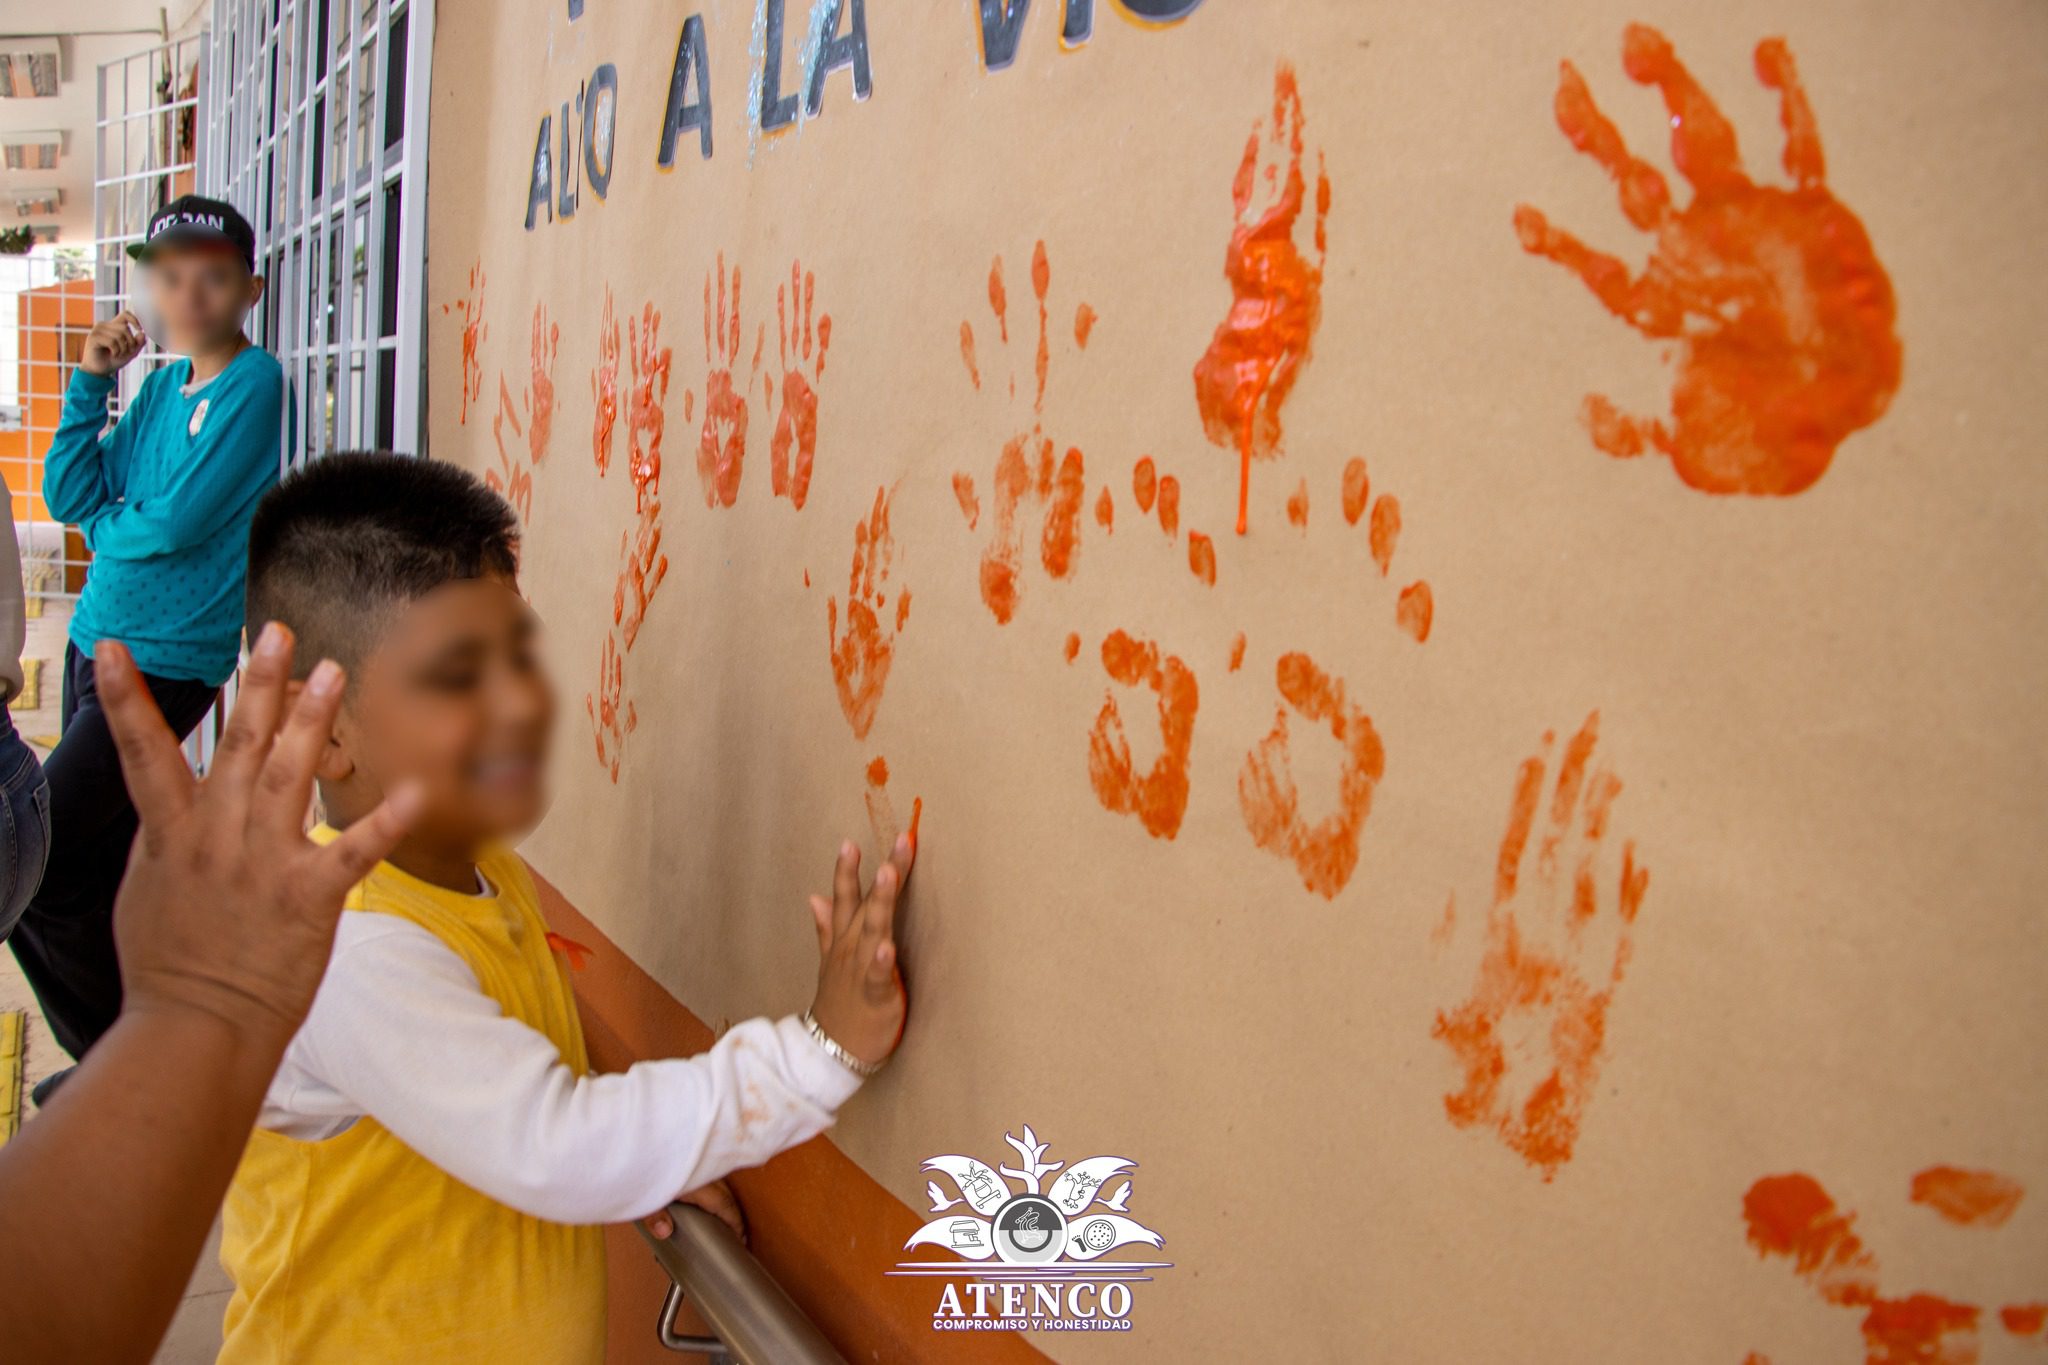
(752, 1319)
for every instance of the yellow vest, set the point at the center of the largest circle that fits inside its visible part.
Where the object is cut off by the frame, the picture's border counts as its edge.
(356, 1249)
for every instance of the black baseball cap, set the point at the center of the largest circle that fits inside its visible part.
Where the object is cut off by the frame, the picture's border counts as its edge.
(195, 218)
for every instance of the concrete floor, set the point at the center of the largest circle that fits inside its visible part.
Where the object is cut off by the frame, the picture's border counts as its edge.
(194, 1337)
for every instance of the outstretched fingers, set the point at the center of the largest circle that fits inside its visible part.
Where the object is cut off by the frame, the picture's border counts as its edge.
(1631, 299)
(364, 844)
(845, 888)
(1776, 69)
(1702, 140)
(245, 741)
(1644, 195)
(159, 782)
(286, 780)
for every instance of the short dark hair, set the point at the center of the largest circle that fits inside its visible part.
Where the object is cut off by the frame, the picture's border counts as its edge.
(340, 543)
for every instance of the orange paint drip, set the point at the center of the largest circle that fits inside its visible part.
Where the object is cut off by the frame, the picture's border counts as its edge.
(578, 954)
(474, 331)
(1415, 612)
(916, 819)
(547, 339)
(862, 656)
(2024, 1319)
(796, 426)
(807, 578)
(1237, 652)
(1105, 510)
(1385, 531)
(1202, 558)
(878, 772)
(1169, 505)
(1324, 852)
(1060, 541)
(1780, 315)
(1297, 506)
(1144, 485)
(1158, 796)
(1357, 488)
(604, 386)
(1084, 325)
(1243, 379)
(1529, 1041)
(1041, 282)
(1968, 1198)
(970, 505)
(722, 442)
(1073, 649)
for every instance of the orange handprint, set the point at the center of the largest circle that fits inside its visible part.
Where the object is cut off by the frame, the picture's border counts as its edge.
(861, 657)
(1781, 310)
(604, 386)
(510, 479)
(1258, 351)
(1158, 796)
(1529, 1041)
(473, 333)
(722, 446)
(1026, 467)
(1794, 1217)
(611, 720)
(645, 417)
(797, 424)
(547, 337)
(1325, 853)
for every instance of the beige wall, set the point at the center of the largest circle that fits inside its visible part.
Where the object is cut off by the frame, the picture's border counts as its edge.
(1820, 698)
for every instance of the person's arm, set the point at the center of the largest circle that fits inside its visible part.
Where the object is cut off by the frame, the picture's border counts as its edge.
(232, 459)
(223, 924)
(82, 469)
(490, 1101)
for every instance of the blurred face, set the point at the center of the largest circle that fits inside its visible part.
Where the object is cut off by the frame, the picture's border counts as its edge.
(199, 294)
(454, 697)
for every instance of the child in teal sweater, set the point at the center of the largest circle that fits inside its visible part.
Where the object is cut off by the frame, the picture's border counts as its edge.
(164, 500)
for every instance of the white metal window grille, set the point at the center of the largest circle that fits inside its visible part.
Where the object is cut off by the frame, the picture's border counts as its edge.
(316, 127)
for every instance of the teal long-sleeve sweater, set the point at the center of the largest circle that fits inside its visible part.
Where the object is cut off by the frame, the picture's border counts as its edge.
(164, 499)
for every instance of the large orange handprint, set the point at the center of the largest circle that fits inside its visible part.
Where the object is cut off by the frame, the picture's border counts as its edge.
(1781, 310)
(1794, 1216)
(1026, 467)
(611, 717)
(1326, 852)
(796, 425)
(1159, 795)
(645, 417)
(722, 446)
(1251, 365)
(1530, 1039)
(540, 396)
(604, 386)
(861, 657)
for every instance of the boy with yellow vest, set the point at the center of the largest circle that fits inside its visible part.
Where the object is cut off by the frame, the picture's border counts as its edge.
(433, 1157)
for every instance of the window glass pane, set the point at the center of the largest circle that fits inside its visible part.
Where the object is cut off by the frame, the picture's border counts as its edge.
(366, 105)
(387, 396)
(394, 80)
(338, 163)
(387, 324)
(315, 133)
(359, 277)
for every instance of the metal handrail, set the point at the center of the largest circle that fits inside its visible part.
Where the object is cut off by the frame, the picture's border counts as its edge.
(752, 1318)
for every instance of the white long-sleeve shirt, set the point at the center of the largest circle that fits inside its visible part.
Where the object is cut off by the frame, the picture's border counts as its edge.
(401, 1031)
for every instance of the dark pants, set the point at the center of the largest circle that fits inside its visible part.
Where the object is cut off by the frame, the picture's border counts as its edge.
(65, 941)
(24, 823)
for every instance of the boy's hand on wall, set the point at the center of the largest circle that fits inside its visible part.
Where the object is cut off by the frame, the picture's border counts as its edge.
(228, 908)
(112, 344)
(860, 1002)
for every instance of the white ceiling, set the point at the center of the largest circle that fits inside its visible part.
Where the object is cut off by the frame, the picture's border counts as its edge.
(94, 31)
